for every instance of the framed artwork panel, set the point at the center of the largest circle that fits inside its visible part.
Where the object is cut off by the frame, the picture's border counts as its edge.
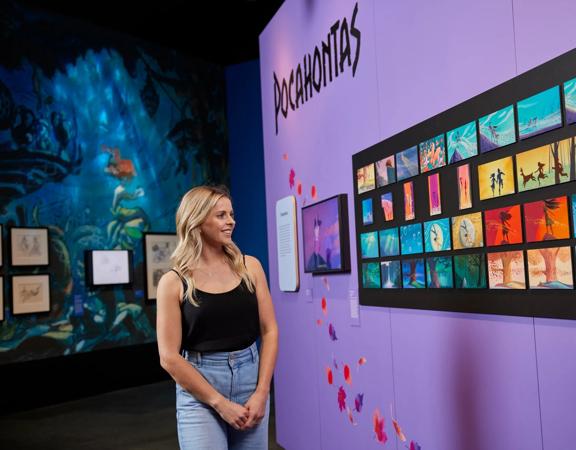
(539, 113)
(29, 246)
(158, 247)
(108, 268)
(30, 294)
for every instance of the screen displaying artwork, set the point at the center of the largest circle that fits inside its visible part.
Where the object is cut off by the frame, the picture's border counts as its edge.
(409, 212)
(371, 275)
(389, 242)
(413, 274)
(439, 272)
(437, 235)
(462, 142)
(411, 239)
(570, 100)
(497, 129)
(387, 202)
(365, 178)
(367, 212)
(470, 271)
(539, 113)
(369, 244)
(432, 154)
(546, 220)
(434, 198)
(550, 268)
(506, 270)
(325, 236)
(503, 226)
(407, 163)
(544, 166)
(496, 178)
(467, 231)
(464, 187)
(391, 275)
(385, 171)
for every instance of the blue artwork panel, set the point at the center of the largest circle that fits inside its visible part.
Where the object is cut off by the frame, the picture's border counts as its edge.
(497, 129)
(367, 212)
(407, 163)
(413, 275)
(462, 142)
(391, 276)
(570, 100)
(437, 235)
(439, 272)
(371, 275)
(411, 239)
(369, 244)
(389, 242)
(539, 113)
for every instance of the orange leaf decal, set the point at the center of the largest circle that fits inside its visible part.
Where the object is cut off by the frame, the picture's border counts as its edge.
(329, 375)
(398, 431)
(319, 322)
(313, 192)
(347, 374)
(324, 306)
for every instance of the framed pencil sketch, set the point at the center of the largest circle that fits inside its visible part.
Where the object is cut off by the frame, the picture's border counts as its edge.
(29, 246)
(108, 267)
(30, 294)
(158, 247)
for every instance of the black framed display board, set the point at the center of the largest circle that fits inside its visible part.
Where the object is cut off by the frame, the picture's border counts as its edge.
(473, 209)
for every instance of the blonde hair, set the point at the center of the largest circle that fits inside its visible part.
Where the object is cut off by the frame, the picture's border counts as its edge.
(194, 208)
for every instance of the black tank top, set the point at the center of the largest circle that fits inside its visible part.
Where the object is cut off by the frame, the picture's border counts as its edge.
(222, 322)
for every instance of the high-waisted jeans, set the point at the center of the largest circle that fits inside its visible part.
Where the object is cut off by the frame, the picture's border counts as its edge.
(234, 375)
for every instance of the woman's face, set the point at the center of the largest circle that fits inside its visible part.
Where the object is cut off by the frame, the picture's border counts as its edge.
(219, 224)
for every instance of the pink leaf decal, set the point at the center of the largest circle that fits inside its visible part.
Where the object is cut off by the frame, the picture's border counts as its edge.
(379, 432)
(341, 399)
(291, 178)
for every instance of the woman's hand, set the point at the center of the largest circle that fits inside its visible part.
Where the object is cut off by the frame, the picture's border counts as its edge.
(233, 413)
(256, 406)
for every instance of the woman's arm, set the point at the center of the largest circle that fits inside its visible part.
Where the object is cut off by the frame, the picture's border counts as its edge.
(169, 335)
(269, 348)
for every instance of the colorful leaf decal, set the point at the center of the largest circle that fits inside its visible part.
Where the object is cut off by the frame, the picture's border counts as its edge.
(324, 306)
(379, 432)
(291, 178)
(359, 402)
(329, 375)
(341, 399)
(347, 374)
(332, 332)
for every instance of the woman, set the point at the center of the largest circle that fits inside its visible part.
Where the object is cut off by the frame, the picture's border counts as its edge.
(212, 307)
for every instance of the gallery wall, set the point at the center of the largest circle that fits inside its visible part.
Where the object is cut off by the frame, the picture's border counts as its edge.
(446, 380)
(100, 135)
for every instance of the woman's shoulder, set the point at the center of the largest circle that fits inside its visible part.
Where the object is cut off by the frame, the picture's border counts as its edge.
(171, 282)
(253, 265)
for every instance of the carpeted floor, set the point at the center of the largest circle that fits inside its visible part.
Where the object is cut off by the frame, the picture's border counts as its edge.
(140, 418)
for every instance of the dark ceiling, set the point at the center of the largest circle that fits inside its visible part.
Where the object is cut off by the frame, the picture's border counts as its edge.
(223, 32)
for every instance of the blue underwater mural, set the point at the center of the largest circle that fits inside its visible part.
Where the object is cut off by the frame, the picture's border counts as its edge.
(100, 135)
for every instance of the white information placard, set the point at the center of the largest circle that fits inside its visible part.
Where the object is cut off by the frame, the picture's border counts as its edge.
(287, 244)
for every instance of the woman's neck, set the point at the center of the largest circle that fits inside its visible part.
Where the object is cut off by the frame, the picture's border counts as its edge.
(211, 255)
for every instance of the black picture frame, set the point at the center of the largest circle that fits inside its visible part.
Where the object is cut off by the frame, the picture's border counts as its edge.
(29, 246)
(317, 254)
(157, 260)
(30, 294)
(108, 268)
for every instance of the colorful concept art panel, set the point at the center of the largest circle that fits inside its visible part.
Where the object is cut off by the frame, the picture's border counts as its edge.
(550, 268)
(462, 142)
(496, 178)
(470, 271)
(497, 129)
(434, 198)
(407, 163)
(369, 244)
(411, 239)
(467, 231)
(391, 277)
(503, 226)
(387, 202)
(371, 275)
(409, 212)
(570, 100)
(432, 154)
(413, 275)
(506, 270)
(546, 220)
(539, 113)
(544, 166)
(389, 242)
(385, 171)
(367, 212)
(439, 272)
(365, 178)
(574, 214)
(437, 235)
(464, 187)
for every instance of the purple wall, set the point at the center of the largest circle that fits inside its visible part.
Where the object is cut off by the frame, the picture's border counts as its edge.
(453, 381)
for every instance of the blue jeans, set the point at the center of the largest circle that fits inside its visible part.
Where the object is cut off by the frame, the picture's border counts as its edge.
(234, 375)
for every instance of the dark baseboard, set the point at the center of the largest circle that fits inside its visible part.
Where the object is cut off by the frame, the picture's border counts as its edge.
(35, 384)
